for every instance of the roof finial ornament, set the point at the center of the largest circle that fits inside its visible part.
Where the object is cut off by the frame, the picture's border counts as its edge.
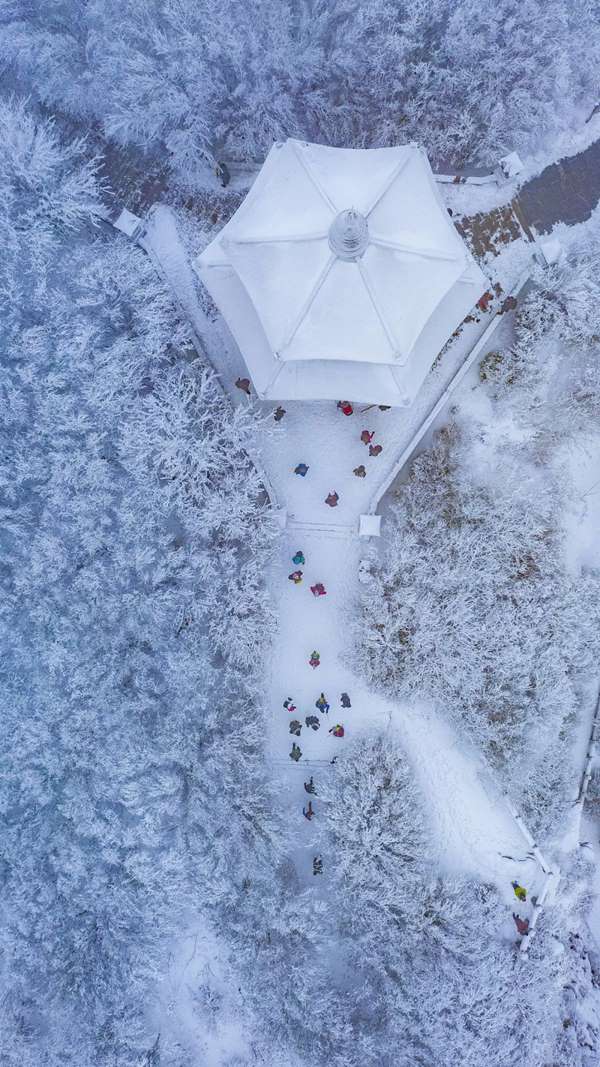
(349, 235)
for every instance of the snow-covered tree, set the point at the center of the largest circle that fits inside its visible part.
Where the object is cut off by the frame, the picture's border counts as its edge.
(431, 965)
(378, 823)
(549, 378)
(189, 81)
(471, 604)
(133, 779)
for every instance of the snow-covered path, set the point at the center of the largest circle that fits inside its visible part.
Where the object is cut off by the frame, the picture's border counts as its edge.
(474, 832)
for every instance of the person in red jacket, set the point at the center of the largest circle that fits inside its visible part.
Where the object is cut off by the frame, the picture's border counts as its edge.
(345, 407)
(318, 589)
(521, 924)
(367, 436)
(337, 731)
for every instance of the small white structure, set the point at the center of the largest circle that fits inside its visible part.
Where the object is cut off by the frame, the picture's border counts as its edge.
(369, 526)
(128, 224)
(548, 251)
(510, 166)
(341, 276)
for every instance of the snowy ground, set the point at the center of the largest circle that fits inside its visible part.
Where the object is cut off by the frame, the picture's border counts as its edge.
(581, 132)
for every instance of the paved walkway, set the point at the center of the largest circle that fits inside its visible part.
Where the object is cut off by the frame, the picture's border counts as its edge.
(567, 191)
(488, 232)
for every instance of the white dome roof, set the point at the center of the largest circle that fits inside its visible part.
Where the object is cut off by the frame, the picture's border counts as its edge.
(341, 271)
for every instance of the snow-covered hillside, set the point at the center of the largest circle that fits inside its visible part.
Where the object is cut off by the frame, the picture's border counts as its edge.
(274, 791)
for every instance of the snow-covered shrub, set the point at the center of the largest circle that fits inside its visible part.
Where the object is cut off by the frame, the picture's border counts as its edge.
(430, 960)
(471, 604)
(549, 379)
(377, 820)
(185, 440)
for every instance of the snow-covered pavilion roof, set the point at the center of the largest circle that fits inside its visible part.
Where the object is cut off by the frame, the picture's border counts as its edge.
(341, 274)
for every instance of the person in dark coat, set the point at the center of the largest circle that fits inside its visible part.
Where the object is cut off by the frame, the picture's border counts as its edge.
(360, 471)
(289, 705)
(317, 865)
(308, 812)
(302, 469)
(312, 721)
(332, 499)
(295, 727)
(278, 413)
(222, 173)
(310, 786)
(322, 705)
(243, 384)
(345, 699)
(296, 752)
(375, 450)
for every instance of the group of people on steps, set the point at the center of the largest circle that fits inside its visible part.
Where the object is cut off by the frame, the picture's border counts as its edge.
(322, 705)
(312, 722)
(333, 497)
(308, 813)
